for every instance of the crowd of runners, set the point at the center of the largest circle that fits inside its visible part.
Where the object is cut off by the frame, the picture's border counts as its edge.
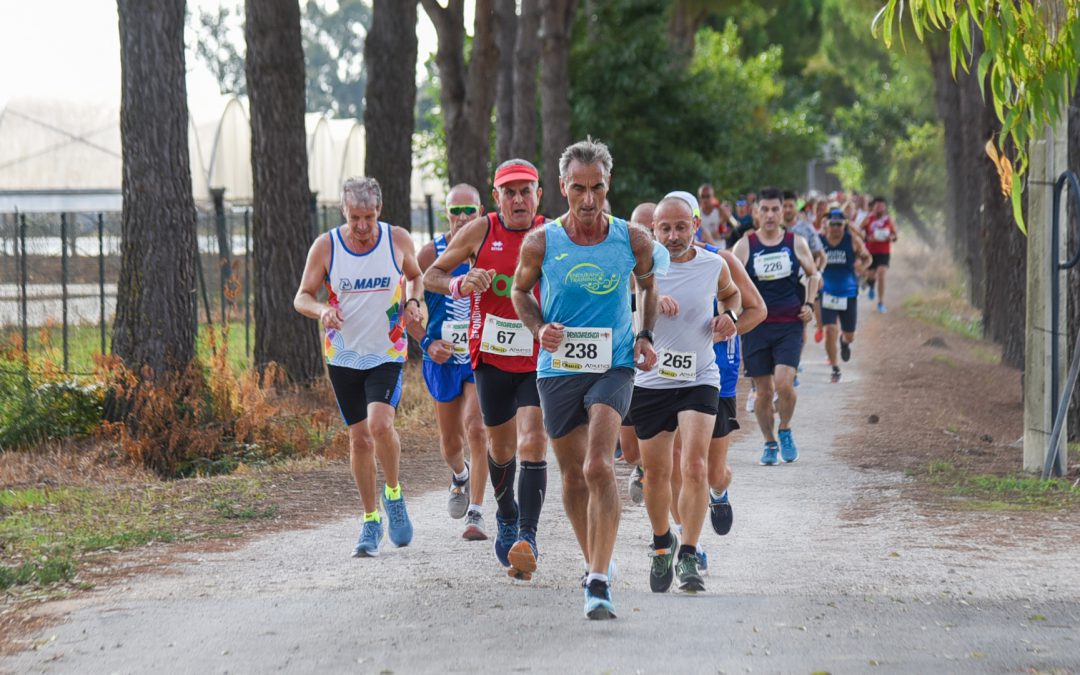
(602, 337)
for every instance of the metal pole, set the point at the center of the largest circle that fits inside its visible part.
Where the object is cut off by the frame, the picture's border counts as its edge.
(101, 275)
(430, 217)
(64, 284)
(247, 282)
(202, 287)
(22, 286)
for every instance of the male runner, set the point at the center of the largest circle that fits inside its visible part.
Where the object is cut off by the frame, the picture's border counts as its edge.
(682, 391)
(847, 257)
(503, 354)
(642, 217)
(771, 351)
(364, 264)
(449, 375)
(583, 262)
(879, 233)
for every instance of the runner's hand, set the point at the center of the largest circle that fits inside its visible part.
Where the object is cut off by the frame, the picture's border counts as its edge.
(550, 336)
(644, 354)
(805, 314)
(331, 317)
(413, 317)
(667, 306)
(440, 351)
(722, 327)
(477, 280)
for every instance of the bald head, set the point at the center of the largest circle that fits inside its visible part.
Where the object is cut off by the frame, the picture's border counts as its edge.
(458, 200)
(643, 215)
(673, 208)
(463, 193)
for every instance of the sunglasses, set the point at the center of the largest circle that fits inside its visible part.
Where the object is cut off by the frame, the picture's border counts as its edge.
(463, 209)
(836, 223)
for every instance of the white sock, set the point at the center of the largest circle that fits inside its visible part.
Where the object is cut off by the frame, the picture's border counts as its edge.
(477, 509)
(595, 576)
(717, 495)
(678, 529)
(463, 476)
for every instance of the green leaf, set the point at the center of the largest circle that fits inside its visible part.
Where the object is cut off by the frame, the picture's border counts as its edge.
(1018, 204)
(954, 47)
(984, 63)
(964, 21)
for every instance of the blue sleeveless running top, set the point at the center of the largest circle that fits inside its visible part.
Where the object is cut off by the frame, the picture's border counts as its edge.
(839, 273)
(588, 286)
(775, 272)
(442, 307)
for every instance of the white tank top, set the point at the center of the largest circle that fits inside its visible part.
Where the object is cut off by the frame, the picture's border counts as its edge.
(684, 343)
(369, 289)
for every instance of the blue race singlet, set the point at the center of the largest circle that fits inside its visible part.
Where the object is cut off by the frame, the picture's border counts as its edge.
(442, 308)
(839, 273)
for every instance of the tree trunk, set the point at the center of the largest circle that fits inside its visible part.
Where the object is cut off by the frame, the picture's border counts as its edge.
(282, 228)
(683, 23)
(526, 54)
(467, 93)
(389, 114)
(904, 206)
(1073, 280)
(155, 303)
(506, 25)
(556, 19)
(1005, 253)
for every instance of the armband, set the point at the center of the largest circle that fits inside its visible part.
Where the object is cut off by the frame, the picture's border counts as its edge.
(455, 287)
(426, 342)
(731, 313)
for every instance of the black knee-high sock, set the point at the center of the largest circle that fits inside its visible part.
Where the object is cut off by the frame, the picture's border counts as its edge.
(502, 483)
(532, 486)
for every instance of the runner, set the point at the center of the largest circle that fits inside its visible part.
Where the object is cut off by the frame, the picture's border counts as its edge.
(449, 376)
(771, 351)
(880, 233)
(503, 356)
(713, 226)
(642, 217)
(847, 257)
(364, 265)
(682, 391)
(583, 262)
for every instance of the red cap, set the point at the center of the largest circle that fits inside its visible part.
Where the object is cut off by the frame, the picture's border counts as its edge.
(514, 172)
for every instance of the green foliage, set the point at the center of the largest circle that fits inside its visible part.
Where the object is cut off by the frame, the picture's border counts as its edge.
(673, 126)
(43, 408)
(1030, 60)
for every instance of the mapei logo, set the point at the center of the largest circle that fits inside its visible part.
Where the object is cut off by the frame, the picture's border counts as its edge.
(368, 284)
(592, 278)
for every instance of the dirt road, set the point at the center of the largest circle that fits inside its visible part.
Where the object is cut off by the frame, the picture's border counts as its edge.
(826, 569)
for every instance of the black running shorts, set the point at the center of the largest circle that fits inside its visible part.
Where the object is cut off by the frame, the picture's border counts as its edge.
(657, 410)
(355, 389)
(502, 393)
(726, 421)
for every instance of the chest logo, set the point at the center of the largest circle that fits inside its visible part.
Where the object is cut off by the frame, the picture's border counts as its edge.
(592, 279)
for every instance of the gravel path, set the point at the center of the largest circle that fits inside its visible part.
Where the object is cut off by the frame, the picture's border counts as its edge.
(825, 570)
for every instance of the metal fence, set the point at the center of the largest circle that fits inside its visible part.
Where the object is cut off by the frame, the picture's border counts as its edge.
(59, 275)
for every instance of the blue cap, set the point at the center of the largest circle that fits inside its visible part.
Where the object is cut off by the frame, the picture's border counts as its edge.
(836, 214)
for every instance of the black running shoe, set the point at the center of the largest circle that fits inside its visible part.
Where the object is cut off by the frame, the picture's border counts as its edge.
(835, 377)
(720, 513)
(845, 351)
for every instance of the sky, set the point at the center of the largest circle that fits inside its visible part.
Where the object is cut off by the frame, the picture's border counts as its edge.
(71, 49)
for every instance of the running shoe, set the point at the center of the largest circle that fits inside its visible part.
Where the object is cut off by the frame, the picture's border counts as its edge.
(662, 569)
(367, 546)
(618, 450)
(398, 525)
(458, 503)
(637, 485)
(702, 560)
(720, 514)
(881, 308)
(768, 456)
(819, 334)
(845, 351)
(522, 556)
(506, 537)
(788, 452)
(871, 294)
(835, 377)
(598, 601)
(612, 570)
(750, 398)
(690, 579)
(794, 383)
(474, 527)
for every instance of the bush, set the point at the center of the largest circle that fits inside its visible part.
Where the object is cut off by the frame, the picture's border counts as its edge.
(31, 412)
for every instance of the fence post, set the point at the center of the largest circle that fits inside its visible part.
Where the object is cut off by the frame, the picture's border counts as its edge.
(23, 320)
(64, 284)
(101, 275)
(224, 243)
(430, 218)
(247, 282)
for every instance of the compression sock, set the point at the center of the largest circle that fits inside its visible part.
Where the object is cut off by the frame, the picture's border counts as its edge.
(502, 484)
(662, 541)
(532, 486)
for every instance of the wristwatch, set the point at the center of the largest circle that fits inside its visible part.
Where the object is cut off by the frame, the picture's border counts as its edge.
(731, 313)
(644, 333)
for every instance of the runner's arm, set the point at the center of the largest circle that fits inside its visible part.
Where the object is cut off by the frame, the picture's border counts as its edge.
(727, 293)
(414, 288)
(862, 254)
(753, 305)
(806, 259)
(742, 250)
(526, 276)
(641, 242)
(315, 271)
(462, 247)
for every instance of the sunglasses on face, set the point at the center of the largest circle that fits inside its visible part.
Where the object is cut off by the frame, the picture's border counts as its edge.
(836, 223)
(463, 209)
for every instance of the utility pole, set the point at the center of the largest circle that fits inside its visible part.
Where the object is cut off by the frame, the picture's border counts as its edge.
(1049, 158)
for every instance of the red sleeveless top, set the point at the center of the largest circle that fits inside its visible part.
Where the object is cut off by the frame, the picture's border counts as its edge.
(499, 252)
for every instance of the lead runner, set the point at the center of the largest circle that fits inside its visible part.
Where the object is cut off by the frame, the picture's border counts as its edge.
(585, 372)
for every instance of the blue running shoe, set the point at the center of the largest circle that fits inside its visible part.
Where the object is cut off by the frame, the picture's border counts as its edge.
(702, 560)
(871, 294)
(505, 539)
(795, 382)
(598, 601)
(881, 308)
(367, 546)
(522, 556)
(398, 525)
(788, 452)
(768, 457)
(720, 514)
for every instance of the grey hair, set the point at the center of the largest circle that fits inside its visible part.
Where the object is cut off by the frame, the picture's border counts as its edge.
(586, 152)
(361, 191)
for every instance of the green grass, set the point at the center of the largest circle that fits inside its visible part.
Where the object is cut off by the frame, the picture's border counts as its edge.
(945, 309)
(45, 534)
(84, 343)
(1019, 492)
